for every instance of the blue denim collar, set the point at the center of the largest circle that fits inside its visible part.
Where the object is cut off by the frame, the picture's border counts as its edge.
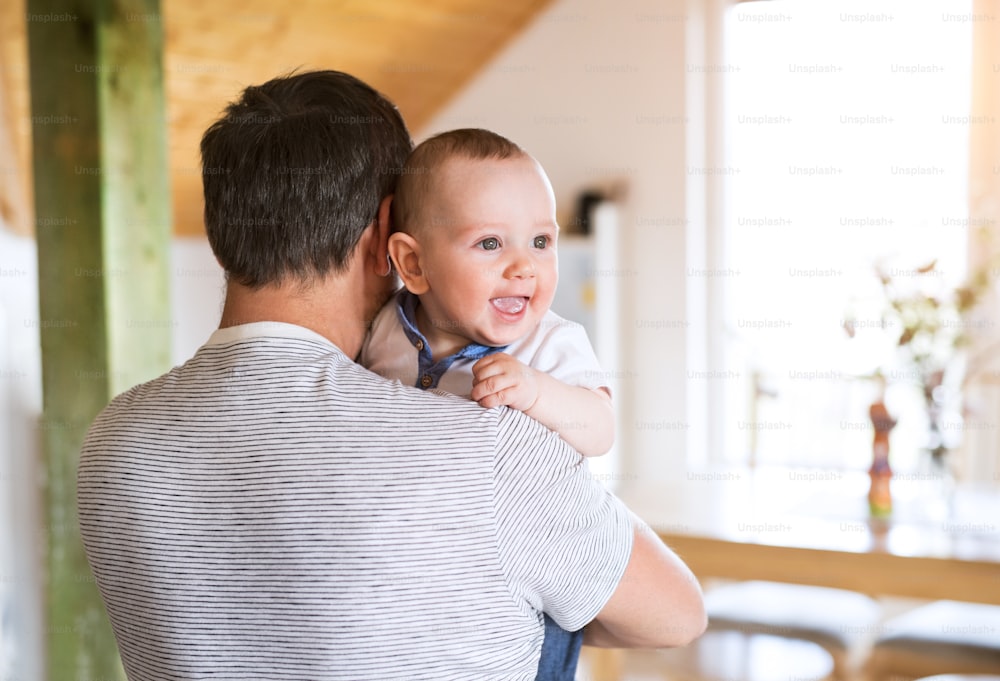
(429, 372)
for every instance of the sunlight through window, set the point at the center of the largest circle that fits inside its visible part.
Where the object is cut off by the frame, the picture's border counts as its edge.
(847, 129)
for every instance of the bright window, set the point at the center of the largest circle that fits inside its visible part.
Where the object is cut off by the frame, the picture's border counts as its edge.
(846, 129)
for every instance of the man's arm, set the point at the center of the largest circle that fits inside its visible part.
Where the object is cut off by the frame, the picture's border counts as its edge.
(572, 549)
(658, 602)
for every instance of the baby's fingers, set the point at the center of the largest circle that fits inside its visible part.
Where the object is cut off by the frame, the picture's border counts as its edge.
(484, 368)
(491, 386)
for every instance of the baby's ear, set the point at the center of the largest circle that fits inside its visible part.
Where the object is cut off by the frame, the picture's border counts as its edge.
(406, 257)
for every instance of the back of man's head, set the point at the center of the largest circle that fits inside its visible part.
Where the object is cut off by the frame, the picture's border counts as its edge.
(293, 173)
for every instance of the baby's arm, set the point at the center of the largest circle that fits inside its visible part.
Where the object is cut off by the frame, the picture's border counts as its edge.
(583, 417)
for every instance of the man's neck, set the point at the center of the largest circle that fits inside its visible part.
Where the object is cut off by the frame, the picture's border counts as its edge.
(324, 307)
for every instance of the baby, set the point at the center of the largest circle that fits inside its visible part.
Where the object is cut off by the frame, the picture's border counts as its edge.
(475, 246)
(474, 243)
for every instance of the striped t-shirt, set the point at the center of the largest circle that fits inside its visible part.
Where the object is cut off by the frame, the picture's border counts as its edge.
(272, 510)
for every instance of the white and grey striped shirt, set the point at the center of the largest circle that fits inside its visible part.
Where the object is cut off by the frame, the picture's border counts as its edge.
(272, 510)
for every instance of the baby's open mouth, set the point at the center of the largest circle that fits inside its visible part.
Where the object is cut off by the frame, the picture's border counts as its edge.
(510, 305)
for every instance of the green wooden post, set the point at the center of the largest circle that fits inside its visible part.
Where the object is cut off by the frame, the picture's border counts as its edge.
(102, 213)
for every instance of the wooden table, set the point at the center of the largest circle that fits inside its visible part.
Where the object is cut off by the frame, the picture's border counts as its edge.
(813, 527)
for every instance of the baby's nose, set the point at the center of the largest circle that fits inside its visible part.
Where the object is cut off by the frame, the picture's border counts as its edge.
(520, 268)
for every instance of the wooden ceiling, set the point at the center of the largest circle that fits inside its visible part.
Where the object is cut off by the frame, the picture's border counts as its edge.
(418, 52)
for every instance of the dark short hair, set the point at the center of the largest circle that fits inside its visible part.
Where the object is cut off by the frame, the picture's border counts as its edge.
(293, 173)
(428, 157)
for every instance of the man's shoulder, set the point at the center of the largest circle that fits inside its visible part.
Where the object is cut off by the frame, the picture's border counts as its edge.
(330, 394)
(525, 442)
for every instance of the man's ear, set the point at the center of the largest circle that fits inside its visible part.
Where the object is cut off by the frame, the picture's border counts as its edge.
(380, 244)
(407, 258)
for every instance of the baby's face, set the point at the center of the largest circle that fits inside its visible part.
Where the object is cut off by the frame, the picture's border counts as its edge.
(489, 249)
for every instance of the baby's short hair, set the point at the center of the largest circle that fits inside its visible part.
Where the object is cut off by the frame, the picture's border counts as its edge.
(418, 171)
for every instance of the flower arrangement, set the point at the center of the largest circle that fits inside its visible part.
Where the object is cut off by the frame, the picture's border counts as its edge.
(929, 326)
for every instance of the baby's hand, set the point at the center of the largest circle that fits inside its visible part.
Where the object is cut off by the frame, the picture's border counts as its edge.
(499, 379)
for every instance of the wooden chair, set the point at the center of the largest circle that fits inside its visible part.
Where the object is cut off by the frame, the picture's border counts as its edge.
(716, 656)
(738, 656)
(842, 622)
(961, 677)
(944, 637)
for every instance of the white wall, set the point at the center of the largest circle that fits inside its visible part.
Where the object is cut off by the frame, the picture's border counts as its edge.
(597, 92)
(20, 409)
(197, 288)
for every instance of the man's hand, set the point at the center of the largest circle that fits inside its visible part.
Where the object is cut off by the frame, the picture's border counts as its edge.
(499, 379)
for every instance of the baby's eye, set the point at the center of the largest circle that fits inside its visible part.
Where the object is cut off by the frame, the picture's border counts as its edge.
(541, 242)
(490, 243)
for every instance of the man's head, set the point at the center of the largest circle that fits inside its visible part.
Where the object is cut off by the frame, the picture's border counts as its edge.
(294, 172)
(475, 238)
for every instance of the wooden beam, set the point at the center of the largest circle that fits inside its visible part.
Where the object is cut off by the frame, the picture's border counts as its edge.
(15, 128)
(102, 222)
